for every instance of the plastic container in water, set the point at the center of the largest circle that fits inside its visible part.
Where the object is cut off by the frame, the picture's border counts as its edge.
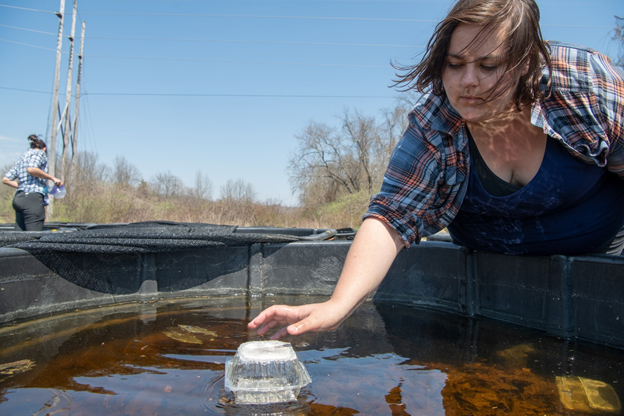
(264, 372)
(58, 192)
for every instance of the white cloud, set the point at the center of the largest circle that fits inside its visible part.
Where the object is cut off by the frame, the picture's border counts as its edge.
(5, 139)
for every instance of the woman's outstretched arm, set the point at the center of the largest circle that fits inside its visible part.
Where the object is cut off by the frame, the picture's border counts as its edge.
(373, 250)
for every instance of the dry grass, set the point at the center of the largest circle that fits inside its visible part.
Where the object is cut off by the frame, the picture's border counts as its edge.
(108, 203)
(96, 198)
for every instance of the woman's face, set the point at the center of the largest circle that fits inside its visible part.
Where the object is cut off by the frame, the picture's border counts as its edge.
(472, 69)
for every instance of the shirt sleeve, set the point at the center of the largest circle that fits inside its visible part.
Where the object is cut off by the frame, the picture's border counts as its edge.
(608, 81)
(410, 185)
(11, 174)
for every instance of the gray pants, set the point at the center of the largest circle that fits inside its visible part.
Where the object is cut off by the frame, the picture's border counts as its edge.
(29, 211)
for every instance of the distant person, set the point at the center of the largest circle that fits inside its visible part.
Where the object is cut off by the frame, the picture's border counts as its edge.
(29, 176)
(517, 146)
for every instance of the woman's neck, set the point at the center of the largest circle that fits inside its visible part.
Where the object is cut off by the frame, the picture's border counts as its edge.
(511, 146)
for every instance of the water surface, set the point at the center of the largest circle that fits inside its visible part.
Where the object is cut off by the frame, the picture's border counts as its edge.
(168, 358)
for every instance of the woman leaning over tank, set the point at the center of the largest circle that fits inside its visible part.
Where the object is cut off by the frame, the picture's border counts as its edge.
(517, 146)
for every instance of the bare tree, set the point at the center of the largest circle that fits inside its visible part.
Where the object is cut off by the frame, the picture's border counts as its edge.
(238, 191)
(87, 171)
(202, 188)
(618, 36)
(331, 161)
(392, 125)
(167, 185)
(339, 158)
(125, 173)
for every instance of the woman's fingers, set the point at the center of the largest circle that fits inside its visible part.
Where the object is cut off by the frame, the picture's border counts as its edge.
(264, 328)
(268, 318)
(297, 319)
(282, 332)
(293, 317)
(275, 314)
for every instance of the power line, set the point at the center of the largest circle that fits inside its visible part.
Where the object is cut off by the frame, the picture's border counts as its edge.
(27, 9)
(270, 42)
(238, 95)
(371, 19)
(287, 1)
(25, 90)
(29, 30)
(279, 17)
(156, 94)
(322, 1)
(375, 19)
(245, 16)
(26, 44)
(224, 61)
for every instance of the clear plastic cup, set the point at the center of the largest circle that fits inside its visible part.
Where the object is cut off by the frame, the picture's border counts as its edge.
(265, 372)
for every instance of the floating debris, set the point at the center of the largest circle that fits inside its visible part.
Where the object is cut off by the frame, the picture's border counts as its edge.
(587, 395)
(175, 333)
(517, 355)
(16, 367)
(198, 330)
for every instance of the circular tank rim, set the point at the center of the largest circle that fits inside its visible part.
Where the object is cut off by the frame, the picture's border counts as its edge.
(580, 297)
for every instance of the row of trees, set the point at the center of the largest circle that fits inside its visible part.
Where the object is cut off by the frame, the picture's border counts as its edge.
(334, 170)
(101, 194)
(120, 194)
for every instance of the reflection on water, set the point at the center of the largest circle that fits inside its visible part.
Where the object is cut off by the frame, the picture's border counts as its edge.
(168, 359)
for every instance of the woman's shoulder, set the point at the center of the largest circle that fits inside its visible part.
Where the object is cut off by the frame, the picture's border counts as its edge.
(579, 68)
(428, 104)
(37, 155)
(434, 112)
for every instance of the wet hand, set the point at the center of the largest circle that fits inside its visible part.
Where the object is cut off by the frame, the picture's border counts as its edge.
(298, 319)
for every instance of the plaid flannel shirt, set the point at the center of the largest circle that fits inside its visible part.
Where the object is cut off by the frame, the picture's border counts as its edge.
(427, 177)
(33, 158)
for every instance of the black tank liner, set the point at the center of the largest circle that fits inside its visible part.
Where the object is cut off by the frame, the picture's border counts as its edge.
(575, 297)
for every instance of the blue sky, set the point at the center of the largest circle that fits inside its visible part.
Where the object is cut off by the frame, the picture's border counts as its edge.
(223, 87)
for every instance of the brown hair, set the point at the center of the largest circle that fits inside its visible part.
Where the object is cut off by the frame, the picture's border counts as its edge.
(524, 43)
(36, 142)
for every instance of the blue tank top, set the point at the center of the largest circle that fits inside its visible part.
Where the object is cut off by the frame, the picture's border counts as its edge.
(569, 207)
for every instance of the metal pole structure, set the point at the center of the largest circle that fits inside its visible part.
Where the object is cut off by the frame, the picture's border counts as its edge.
(66, 130)
(75, 128)
(57, 71)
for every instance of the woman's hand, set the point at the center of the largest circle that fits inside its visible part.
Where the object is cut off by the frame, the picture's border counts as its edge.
(373, 250)
(314, 317)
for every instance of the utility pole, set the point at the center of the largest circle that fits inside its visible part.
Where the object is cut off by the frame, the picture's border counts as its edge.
(66, 130)
(75, 128)
(52, 144)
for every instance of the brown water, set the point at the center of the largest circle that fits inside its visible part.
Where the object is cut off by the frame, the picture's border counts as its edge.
(168, 359)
